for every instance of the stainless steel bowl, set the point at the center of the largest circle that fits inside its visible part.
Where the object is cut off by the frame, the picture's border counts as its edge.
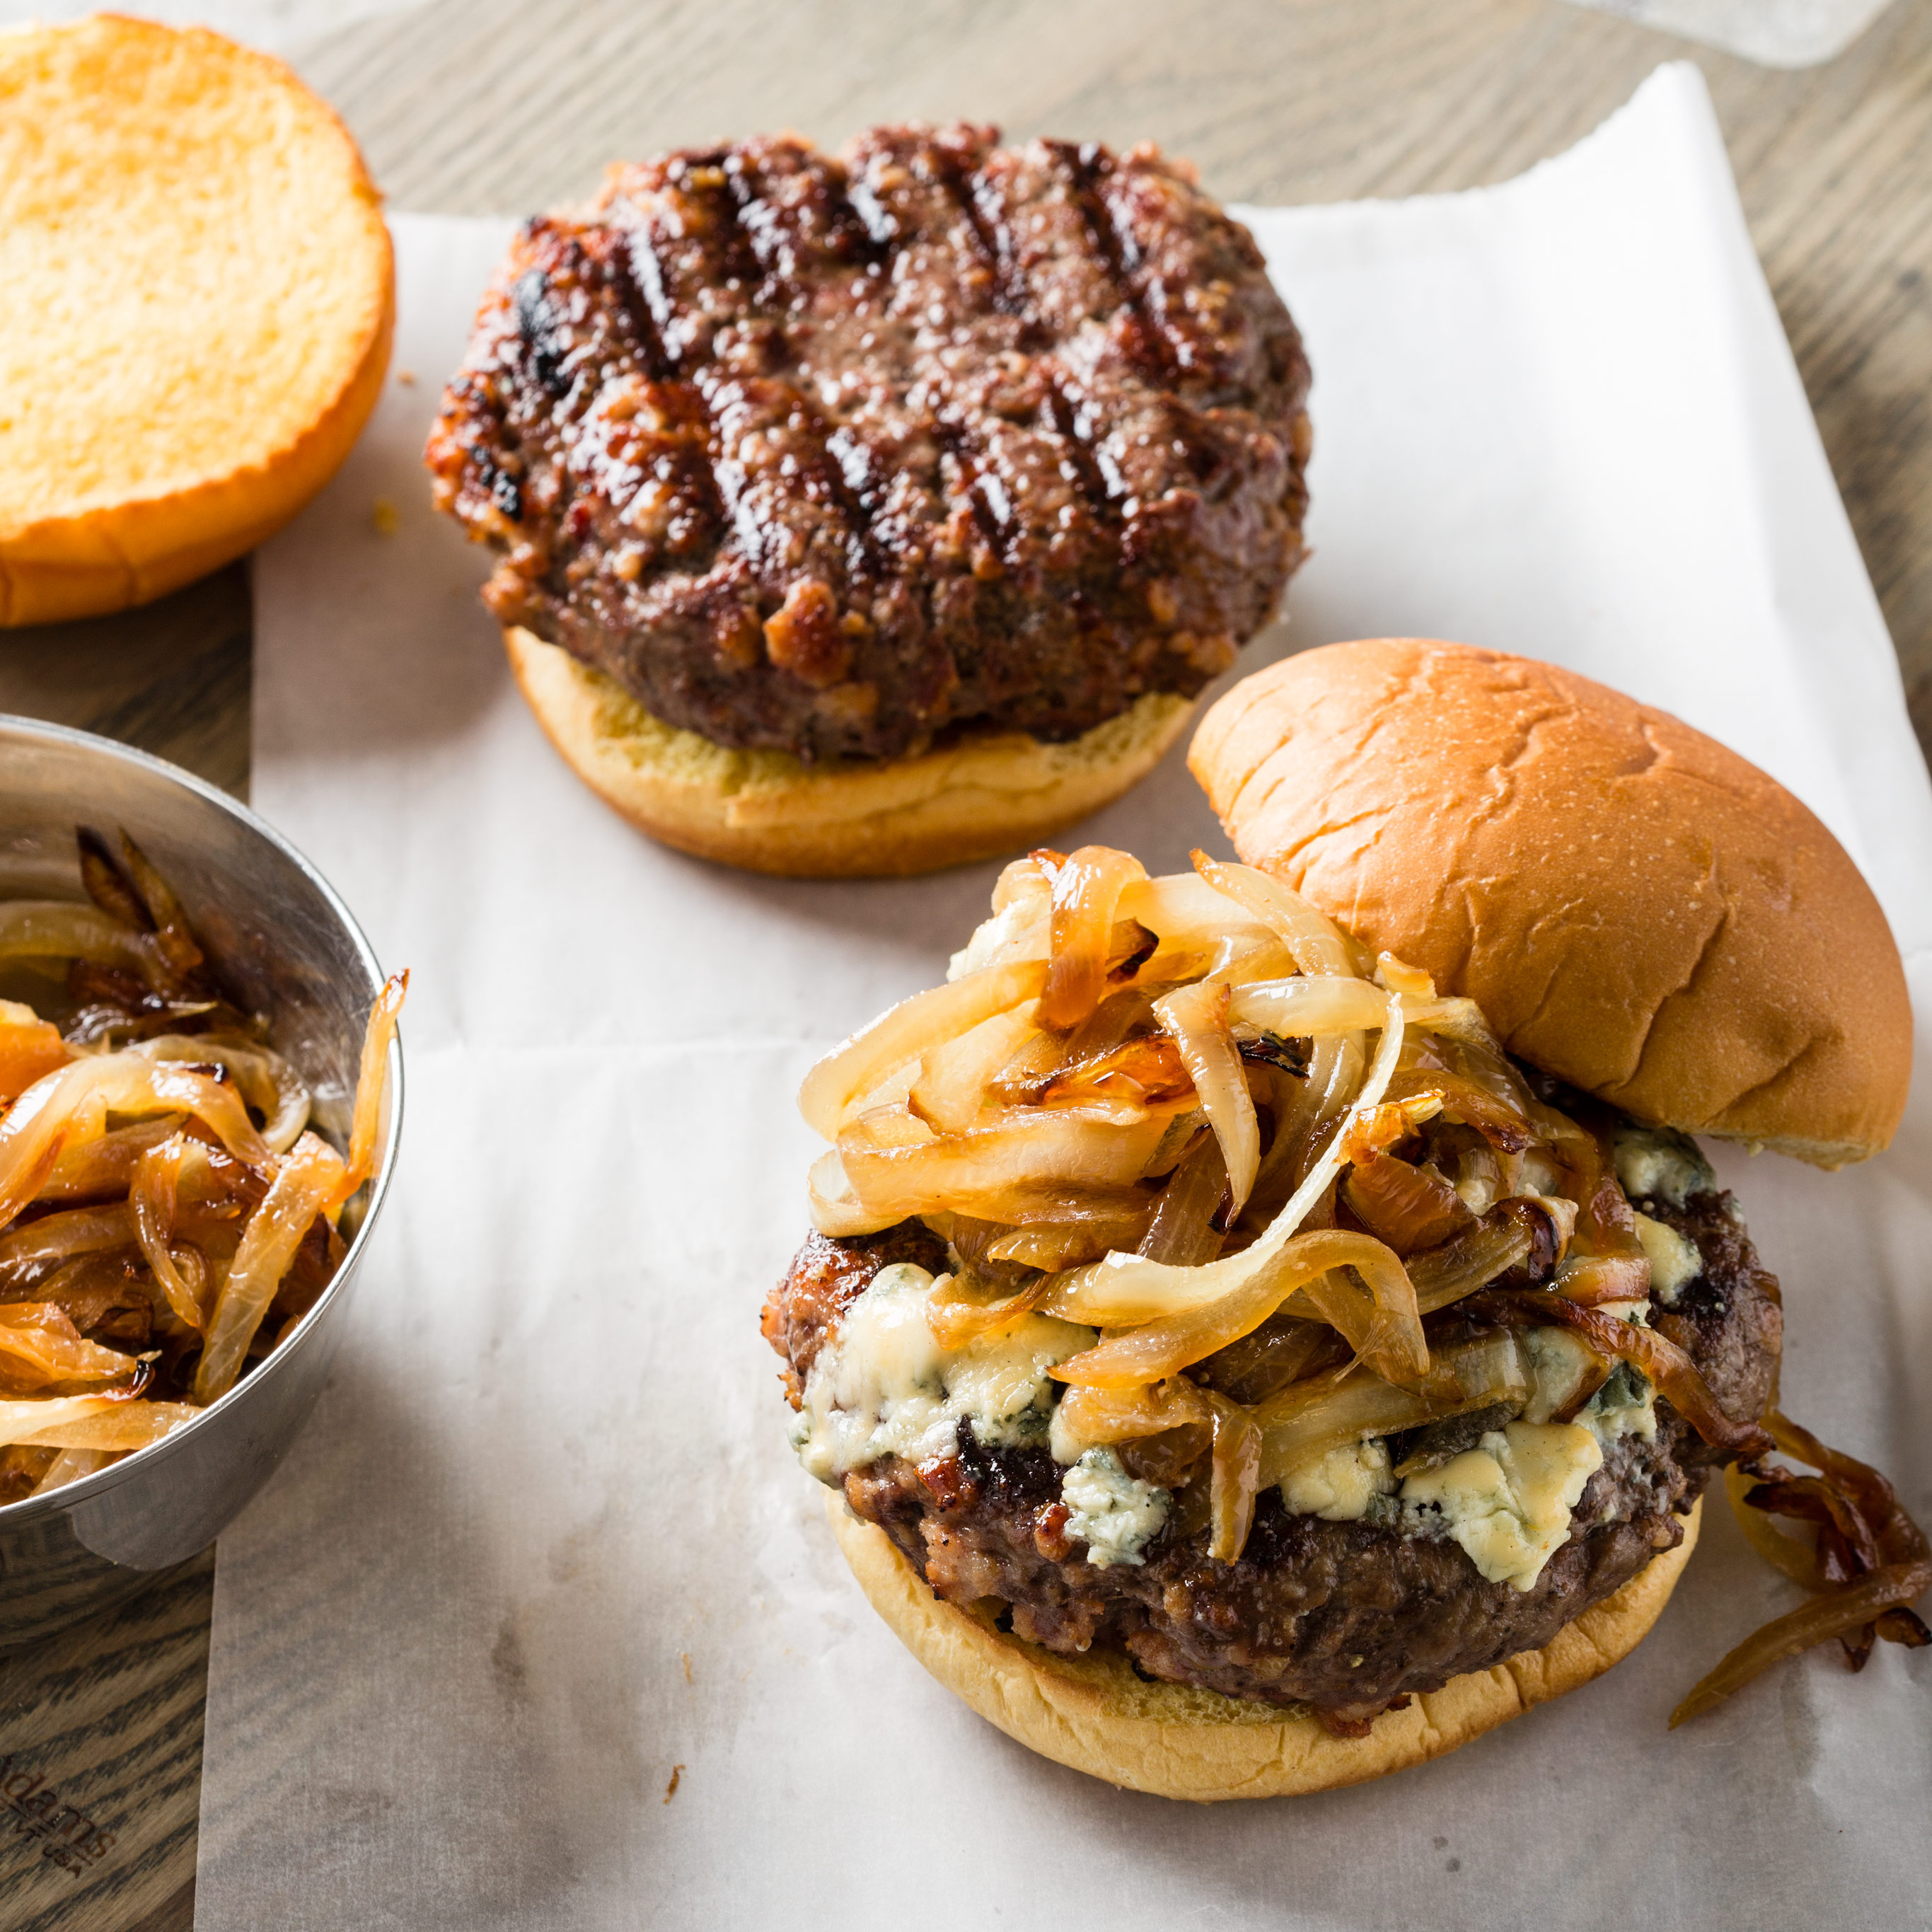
(287, 947)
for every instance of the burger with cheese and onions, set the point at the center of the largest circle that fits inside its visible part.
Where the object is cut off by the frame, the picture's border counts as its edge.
(1267, 1325)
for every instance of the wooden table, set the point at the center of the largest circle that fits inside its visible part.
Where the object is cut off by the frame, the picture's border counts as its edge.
(483, 106)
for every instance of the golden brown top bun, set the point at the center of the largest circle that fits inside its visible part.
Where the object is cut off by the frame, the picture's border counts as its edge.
(1637, 909)
(992, 793)
(195, 308)
(1094, 1714)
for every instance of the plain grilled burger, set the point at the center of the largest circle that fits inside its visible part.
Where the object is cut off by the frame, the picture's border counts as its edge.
(869, 513)
(1269, 1325)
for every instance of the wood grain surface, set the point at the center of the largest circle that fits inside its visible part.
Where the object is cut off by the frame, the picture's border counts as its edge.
(505, 106)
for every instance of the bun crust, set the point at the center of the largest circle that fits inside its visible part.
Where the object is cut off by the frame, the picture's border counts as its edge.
(196, 304)
(1094, 1714)
(1637, 909)
(767, 812)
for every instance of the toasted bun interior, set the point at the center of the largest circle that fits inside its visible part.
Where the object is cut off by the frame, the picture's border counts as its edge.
(1094, 1714)
(195, 308)
(995, 793)
(1636, 910)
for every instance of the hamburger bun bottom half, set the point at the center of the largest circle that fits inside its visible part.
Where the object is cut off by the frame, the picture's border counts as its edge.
(1095, 1715)
(988, 794)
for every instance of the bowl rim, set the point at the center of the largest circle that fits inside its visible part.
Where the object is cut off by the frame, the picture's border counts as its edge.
(14, 727)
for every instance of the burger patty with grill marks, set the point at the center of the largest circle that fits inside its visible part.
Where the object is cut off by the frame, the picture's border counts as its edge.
(831, 455)
(1341, 1616)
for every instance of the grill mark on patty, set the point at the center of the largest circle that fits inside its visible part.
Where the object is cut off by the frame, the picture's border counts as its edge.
(971, 192)
(1082, 164)
(638, 320)
(539, 327)
(765, 229)
(1064, 418)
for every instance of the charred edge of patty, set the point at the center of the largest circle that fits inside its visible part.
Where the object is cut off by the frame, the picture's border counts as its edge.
(1069, 470)
(1344, 1617)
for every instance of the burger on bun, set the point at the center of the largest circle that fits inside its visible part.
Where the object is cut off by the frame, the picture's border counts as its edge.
(1266, 1326)
(862, 513)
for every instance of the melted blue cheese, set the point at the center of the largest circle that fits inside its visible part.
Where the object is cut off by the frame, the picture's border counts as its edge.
(1507, 1500)
(1654, 1161)
(1626, 1405)
(1674, 1262)
(1116, 1515)
(1341, 1486)
(885, 1387)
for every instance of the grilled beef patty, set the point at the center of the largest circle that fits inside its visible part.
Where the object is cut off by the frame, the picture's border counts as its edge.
(828, 455)
(1341, 1616)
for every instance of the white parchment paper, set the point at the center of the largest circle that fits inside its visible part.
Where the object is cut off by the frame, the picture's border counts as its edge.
(543, 1545)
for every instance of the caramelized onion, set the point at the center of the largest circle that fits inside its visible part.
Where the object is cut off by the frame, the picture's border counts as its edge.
(1410, 1207)
(950, 1090)
(1383, 1326)
(1318, 947)
(1309, 1009)
(1265, 1361)
(1086, 892)
(74, 1102)
(1168, 1460)
(1053, 1246)
(956, 1313)
(1672, 1372)
(1500, 1124)
(115, 1423)
(30, 1049)
(1147, 1072)
(307, 1179)
(69, 1465)
(1153, 1288)
(173, 940)
(849, 1072)
(184, 1208)
(1196, 1019)
(1308, 1419)
(1196, 926)
(1088, 1418)
(371, 1078)
(1312, 1106)
(40, 1345)
(64, 929)
(1497, 1243)
(1236, 1478)
(1893, 1586)
(1593, 1280)
(268, 1082)
(152, 1201)
(1798, 1560)
(1182, 1232)
(1018, 1150)
(55, 1238)
(106, 1165)
(1162, 1348)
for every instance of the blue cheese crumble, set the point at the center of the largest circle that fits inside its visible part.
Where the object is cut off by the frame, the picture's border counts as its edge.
(1655, 1162)
(1507, 1500)
(1342, 1485)
(885, 1386)
(1116, 1515)
(1674, 1262)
